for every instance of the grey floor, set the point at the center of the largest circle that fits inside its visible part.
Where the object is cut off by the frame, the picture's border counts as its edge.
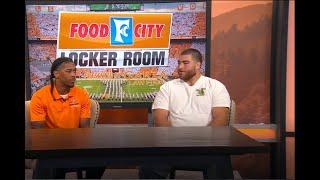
(133, 174)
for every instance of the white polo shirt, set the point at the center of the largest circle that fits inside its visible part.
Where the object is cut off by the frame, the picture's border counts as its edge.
(191, 105)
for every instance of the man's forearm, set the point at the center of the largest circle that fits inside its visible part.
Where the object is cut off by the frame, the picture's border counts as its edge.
(162, 122)
(220, 116)
(161, 118)
(218, 122)
(85, 123)
(38, 124)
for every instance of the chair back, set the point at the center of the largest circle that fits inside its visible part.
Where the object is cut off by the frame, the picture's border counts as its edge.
(27, 114)
(95, 112)
(29, 163)
(232, 112)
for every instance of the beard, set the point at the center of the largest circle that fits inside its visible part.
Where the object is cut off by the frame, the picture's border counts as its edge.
(188, 75)
(69, 83)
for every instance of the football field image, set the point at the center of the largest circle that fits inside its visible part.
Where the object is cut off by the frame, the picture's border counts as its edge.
(121, 90)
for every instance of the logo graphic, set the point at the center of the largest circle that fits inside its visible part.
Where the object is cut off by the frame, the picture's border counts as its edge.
(121, 31)
(200, 91)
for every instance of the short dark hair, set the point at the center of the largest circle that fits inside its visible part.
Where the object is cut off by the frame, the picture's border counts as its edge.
(55, 65)
(196, 55)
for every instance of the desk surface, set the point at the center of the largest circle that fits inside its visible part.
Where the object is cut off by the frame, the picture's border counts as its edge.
(40, 143)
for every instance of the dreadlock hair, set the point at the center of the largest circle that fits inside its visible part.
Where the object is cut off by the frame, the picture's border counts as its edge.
(55, 65)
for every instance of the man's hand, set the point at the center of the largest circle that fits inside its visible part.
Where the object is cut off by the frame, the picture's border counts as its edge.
(220, 116)
(38, 124)
(160, 117)
(85, 123)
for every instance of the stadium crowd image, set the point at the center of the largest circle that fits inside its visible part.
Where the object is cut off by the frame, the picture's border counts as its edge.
(128, 84)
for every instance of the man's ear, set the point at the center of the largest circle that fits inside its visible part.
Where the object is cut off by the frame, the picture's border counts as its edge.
(198, 65)
(56, 74)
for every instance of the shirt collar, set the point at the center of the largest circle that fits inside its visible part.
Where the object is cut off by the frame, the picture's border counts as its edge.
(57, 96)
(196, 84)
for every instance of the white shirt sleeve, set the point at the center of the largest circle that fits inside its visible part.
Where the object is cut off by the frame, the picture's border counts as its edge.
(161, 100)
(220, 96)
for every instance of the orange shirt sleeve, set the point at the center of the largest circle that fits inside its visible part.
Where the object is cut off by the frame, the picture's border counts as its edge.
(37, 110)
(85, 106)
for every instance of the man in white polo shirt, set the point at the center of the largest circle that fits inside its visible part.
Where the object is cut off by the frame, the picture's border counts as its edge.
(191, 100)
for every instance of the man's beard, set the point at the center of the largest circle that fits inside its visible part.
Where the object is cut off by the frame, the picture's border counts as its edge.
(188, 75)
(69, 84)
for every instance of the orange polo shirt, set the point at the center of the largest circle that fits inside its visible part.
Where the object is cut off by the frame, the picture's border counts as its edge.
(60, 113)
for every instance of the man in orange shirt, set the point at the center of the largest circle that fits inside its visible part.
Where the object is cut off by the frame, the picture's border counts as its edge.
(62, 105)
